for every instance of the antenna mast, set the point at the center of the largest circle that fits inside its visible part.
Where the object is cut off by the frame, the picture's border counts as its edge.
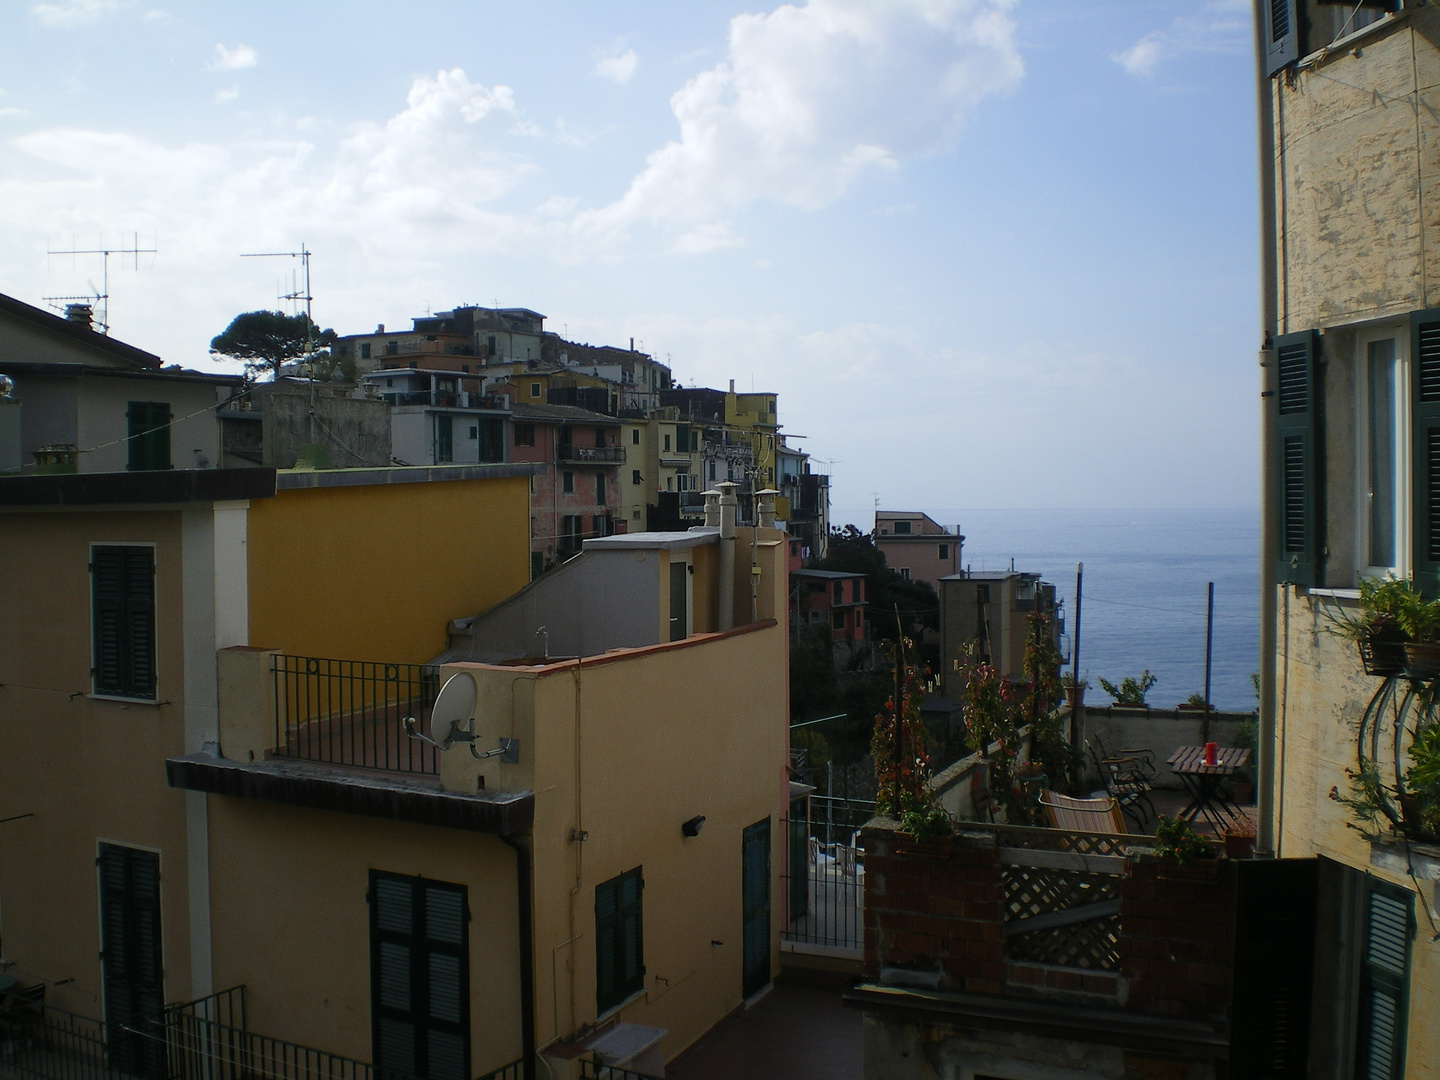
(296, 295)
(103, 296)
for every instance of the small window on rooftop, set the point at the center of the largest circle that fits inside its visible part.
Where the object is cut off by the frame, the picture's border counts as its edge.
(902, 528)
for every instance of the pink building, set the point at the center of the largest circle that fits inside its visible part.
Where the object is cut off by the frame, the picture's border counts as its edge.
(829, 597)
(578, 494)
(916, 546)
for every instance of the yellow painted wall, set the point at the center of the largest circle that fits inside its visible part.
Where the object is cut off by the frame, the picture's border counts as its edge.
(291, 921)
(374, 572)
(88, 769)
(1322, 692)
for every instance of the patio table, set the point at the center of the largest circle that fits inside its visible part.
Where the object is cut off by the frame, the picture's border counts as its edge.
(1203, 782)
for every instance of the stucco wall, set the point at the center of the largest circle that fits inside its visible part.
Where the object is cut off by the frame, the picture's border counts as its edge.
(374, 572)
(87, 769)
(103, 424)
(1322, 692)
(289, 886)
(625, 749)
(1358, 152)
(355, 431)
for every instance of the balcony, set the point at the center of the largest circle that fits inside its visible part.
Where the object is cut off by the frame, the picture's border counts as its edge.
(449, 399)
(567, 454)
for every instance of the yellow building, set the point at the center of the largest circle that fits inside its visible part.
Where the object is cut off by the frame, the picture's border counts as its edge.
(1349, 141)
(206, 679)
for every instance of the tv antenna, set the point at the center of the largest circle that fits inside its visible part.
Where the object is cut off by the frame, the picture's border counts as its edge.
(295, 295)
(98, 297)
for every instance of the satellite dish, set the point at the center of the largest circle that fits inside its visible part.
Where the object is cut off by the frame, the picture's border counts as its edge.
(454, 709)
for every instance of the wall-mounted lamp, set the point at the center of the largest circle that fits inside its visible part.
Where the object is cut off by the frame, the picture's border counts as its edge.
(692, 827)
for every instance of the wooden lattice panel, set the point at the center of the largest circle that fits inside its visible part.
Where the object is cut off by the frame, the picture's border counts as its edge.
(1034, 891)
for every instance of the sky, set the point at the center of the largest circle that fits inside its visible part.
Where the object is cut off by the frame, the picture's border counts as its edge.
(989, 254)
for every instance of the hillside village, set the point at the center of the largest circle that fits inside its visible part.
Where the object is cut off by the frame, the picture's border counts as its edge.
(460, 702)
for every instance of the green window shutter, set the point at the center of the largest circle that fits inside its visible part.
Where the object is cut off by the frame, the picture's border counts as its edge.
(122, 621)
(619, 939)
(148, 436)
(1282, 34)
(1425, 446)
(132, 966)
(1384, 982)
(1297, 457)
(420, 992)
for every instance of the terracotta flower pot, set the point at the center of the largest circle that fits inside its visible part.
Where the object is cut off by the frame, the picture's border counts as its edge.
(1239, 845)
(1422, 660)
(1201, 871)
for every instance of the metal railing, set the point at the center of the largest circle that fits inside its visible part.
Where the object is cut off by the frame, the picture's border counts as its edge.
(592, 1068)
(822, 889)
(590, 455)
(514, 1071)
(59, 1046)
(448, 399)
(352, 712)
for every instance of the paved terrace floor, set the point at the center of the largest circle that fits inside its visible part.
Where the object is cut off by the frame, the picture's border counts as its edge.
(795, 1032)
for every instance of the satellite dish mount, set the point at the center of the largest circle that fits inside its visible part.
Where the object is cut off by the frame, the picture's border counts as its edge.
(455, 710)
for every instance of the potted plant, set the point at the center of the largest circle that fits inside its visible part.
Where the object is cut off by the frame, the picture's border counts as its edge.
(1074, 691)
(926, 828)
(1184, 854)
(1195, 701)
(1420, 620)
(1376, 629)
(1240, 839)
(1131, 691)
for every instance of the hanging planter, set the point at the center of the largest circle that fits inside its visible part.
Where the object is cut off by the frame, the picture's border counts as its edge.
(1422, 660)
(1383, 652)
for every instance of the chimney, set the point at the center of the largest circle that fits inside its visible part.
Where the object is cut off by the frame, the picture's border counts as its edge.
(728, 504)
(732, 386)
(632, 344)
(80, 314)
(765, 512)
(380, 329)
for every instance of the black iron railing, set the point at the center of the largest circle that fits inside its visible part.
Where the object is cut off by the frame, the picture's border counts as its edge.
(353, 712)
(59, 1045)
(514, 1071)
(594, 1069)
(822, 888)
(567, 454)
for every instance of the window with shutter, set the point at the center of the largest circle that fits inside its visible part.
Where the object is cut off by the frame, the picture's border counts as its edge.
(148, 435)
(1384, 982)
(1425, 447)
(419, 977)
(132, 971)
(619, 940)
(122, 620)
(1298, 458)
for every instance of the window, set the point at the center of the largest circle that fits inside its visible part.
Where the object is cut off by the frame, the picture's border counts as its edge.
(599, 438)
(392, 348)
(682, 438)
(490, 351)
(837, 619)
(444, 438)
(131, 961)
(944, 552)
(365, 350)
(535, 389)
(619, 940)
(635, 436)
(1384, 981)
(634, 476)
(572, 530)
(603, 525)
(905, 572)
(1381, 513)
(492, 440)
(712, 472)
(474, 432)
(148, 438)
(902, 528)
(122, 620)
(419, 977)
(667, 444)
(524, 434)
(600, 489)
(839, 592)
(567, 483)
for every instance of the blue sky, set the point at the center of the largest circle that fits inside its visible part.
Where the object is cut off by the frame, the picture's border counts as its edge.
(989, 254)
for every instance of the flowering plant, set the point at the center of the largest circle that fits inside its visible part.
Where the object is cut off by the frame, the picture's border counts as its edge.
(902, 766)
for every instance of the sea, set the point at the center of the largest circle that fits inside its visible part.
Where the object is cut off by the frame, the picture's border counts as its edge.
(1144, 590)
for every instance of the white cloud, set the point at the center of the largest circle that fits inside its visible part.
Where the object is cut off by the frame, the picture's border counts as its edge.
(227, 95)
(1223, 26)
(241, 56)
(68, 13)
(618, 69)
(1141, 58)
(810, 98)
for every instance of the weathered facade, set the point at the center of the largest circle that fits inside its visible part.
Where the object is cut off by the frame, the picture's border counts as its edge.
(1350, 177)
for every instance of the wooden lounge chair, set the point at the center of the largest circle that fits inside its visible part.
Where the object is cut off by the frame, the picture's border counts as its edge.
(1083, 815)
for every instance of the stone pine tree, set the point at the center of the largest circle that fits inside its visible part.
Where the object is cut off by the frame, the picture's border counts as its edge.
(265, 340)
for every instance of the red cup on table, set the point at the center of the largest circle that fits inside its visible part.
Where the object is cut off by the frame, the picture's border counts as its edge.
(1211, 749)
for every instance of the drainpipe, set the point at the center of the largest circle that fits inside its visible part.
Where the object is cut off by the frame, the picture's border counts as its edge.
(1265, 742)
(523, 890)
(728, 503)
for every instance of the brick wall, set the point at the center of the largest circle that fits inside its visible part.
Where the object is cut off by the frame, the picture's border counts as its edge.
(1177, 941)
(935, 918)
